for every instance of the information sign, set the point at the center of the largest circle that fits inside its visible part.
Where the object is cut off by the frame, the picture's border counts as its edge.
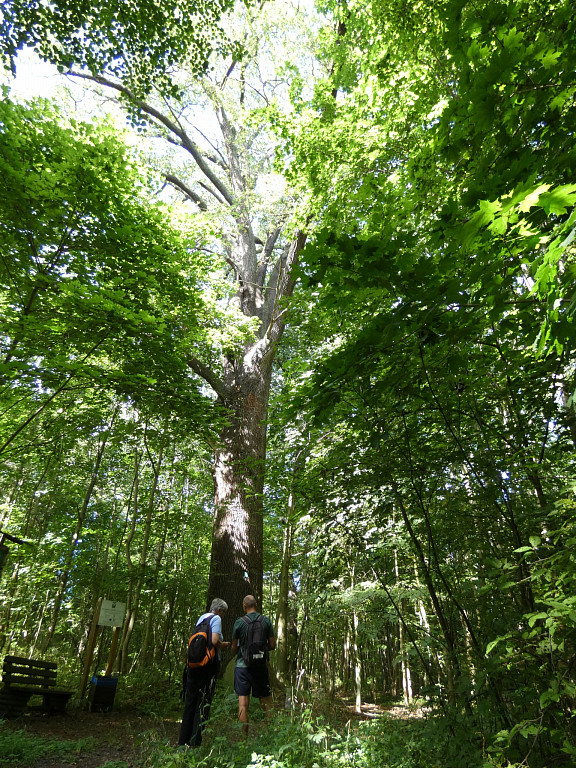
(111, 614)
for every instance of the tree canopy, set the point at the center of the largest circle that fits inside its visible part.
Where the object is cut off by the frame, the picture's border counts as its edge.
(351, 318)
(141, 41)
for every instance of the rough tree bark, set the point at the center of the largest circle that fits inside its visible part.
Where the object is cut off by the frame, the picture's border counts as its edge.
(240, 458)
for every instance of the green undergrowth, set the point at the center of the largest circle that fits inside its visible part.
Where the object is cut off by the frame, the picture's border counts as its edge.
(304, 739)
(18, 748)
(149, 693)
(320, 734)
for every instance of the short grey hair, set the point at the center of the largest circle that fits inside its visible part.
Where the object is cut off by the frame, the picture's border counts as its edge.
(218, 605)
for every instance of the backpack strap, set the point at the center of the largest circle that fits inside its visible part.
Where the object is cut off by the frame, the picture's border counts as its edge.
(206, 619)
(249, 621)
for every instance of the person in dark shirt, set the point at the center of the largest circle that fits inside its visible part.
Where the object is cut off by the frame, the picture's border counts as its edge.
(251, 680)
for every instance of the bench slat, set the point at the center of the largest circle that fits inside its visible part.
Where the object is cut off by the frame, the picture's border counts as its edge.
(29, 663)
(45, 674)
(28, 680)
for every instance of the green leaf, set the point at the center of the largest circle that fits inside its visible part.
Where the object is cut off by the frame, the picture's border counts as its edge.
(558, 200)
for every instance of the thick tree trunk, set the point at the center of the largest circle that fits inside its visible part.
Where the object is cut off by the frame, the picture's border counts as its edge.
(239, 463)
(240, 457)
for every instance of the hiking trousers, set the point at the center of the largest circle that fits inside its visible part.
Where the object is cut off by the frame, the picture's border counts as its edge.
(200, 687)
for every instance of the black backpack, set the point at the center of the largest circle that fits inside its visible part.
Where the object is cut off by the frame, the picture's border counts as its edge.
(255, 646)
(200, 648)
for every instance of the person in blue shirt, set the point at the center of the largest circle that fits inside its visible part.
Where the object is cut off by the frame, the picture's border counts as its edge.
(201, 682)
(250, 680)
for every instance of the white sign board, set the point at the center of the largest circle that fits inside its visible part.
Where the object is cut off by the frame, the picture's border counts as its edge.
(111, 614)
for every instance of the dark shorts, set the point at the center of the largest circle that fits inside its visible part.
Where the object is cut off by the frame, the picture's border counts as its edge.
(252, 681)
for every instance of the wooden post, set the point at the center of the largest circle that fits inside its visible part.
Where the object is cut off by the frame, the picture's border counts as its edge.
(4, 549)
(90, 648)
(112, 654)
(3, 555)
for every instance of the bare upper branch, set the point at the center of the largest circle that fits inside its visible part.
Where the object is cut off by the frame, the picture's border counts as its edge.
(209, 376)
(186, 190)
(280, 286)
(172, 125)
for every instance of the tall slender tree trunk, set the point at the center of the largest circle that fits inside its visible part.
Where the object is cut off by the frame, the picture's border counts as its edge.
(76, 535)
(129, 622)
(282, 660)
(406, 674)
(356, 658)
(357, 665)
(283, 634)
(137, 593)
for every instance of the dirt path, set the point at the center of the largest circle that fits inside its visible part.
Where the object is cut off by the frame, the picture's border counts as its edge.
(102, 737)
(123, 738)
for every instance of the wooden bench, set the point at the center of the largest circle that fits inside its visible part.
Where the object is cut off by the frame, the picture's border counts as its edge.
(24, 678)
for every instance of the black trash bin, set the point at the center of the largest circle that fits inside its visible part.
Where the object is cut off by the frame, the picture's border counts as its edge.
(101, 693)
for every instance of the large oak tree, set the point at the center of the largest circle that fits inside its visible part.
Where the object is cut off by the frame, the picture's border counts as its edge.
(221, 154)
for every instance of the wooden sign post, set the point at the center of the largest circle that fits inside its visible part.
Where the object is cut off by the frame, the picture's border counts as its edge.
(108, 613)
(112, 654)
(90, 649)
(112, 615)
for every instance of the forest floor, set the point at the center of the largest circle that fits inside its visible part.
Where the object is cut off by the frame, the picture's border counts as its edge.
(96, 738)
(123, 738)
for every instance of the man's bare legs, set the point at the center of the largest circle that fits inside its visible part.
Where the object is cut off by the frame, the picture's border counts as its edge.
(243, 704)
